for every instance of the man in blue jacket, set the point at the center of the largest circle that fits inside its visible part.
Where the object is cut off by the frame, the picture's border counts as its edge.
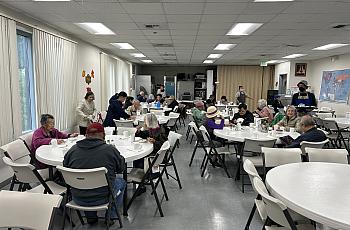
(115, 110)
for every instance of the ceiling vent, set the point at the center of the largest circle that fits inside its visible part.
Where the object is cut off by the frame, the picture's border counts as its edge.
(167, 55)
(162, 45)
(152, 26)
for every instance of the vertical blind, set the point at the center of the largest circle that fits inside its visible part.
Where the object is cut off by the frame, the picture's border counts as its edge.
(56, 64)
(255, 79)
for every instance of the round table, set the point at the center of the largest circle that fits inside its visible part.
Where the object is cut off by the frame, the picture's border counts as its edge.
(319, 191)
(54, 156)
(161, 119)
(249, 133)
(342, 121)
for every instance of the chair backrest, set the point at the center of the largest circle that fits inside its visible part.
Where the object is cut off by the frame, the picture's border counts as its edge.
(173, 137)
(23, 171)
(27, 210)
(250, 169)
(27, 138)
(330, 125)
(161, 153)
(193, 127)
(317, 145)
(84, 178)
(125, 123)
(176, 108)
(275, 208)
(205, 133)
(255, 146)
(109, 130)
(273, 157)
(324, 115)
(319, 122)
(327, 155)
(121, 130)
(18, 152)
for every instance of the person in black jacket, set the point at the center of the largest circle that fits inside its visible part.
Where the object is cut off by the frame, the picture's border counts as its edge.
(115, 110)
(277, 104)
(93, 152)
(309, 132)
(244, 113)
(304, 98)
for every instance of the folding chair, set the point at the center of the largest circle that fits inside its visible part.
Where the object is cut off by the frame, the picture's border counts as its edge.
(123, 123)
(317, 145)
(273, 157)
(173, 139)
(340, 156)
(27, 139)
(85, 179)
(28, 210)
(172, 122)
(335, 134)
(277, 212)
(109, 130)
(213, 150)
(199, 142)
(253, 148)
(140, 177)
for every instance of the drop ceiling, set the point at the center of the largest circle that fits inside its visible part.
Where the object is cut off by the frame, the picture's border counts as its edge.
(187, 31)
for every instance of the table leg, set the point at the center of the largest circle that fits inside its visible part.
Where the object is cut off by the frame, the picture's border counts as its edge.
(125, 197)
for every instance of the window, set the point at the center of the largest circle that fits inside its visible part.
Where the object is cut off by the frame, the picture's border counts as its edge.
(26, 80)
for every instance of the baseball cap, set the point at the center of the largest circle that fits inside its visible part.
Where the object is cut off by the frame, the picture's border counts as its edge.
(95, 128)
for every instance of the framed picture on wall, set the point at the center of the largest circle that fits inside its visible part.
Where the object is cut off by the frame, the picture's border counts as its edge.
(300, 69)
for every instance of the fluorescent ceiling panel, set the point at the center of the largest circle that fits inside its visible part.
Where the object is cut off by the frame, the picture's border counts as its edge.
(275, 61)
(147, 61)
(214, 56)
(138, 55)
(95, 28)
(273, 0)
(51, 0)
(244, 28)
(208, 61)
(224, 46)
(330, 46)
(123, 46)
(294, 56)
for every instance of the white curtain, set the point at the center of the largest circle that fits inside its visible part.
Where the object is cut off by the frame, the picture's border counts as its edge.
(115, 77)
(10, 112)
(56, 64)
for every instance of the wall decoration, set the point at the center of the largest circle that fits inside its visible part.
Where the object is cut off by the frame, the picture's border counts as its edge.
(300, 69)
(335, 86)
(88, 76)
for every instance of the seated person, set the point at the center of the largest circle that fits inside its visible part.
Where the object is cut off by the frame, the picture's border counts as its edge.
(309, 132)
(211, 100)
(154, 133)
(159, 98)
(141, 97)
(290, 120)
(46, 133)
(278, 117)
(161, 91)
(115, 110)
(277, 103)
(263, 110)
(132, 110)
(223, 100)
(150, 98)
(93, 152)
(198, 113)
(244, 113)
(128, 102)
(172, 102)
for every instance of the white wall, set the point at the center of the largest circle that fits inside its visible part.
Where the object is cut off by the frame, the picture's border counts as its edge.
(282, 68)
(325, 64)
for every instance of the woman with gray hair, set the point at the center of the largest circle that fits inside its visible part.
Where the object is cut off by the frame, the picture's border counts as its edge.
(263, 110)
(290, 120)
(46, 133)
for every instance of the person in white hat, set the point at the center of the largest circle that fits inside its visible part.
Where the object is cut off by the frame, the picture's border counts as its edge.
(303, 98)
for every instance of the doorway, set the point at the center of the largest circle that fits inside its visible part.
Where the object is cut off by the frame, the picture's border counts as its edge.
(282, 88)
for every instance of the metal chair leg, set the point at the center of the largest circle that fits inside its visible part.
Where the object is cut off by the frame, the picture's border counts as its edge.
(251, 215)
(156, 198)
(193, 153)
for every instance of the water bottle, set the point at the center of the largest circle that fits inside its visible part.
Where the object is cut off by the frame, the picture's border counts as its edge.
(158, 104)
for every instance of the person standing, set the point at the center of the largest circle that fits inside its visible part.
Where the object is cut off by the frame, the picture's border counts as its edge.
(115, 110)
(241, 95)
(303, 98)
(86, 110)
(161, 91)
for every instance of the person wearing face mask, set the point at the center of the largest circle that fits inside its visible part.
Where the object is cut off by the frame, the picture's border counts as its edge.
(304, 98)
(241, 95)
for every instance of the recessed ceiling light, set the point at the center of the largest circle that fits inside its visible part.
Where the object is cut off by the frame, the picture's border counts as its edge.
(273, 0)
(214, 56)
(244, 28)
(138, 55)
(294, 56)
(330, 46)
(147, 61)
(95, 28)
(123, 46)
(208, 61)
(224, 46)
(275, 61)
(51, 0)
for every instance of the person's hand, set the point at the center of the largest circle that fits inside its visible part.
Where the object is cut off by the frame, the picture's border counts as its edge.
(138, 128)
(151, 140)
(74, 135)
(60, 141)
